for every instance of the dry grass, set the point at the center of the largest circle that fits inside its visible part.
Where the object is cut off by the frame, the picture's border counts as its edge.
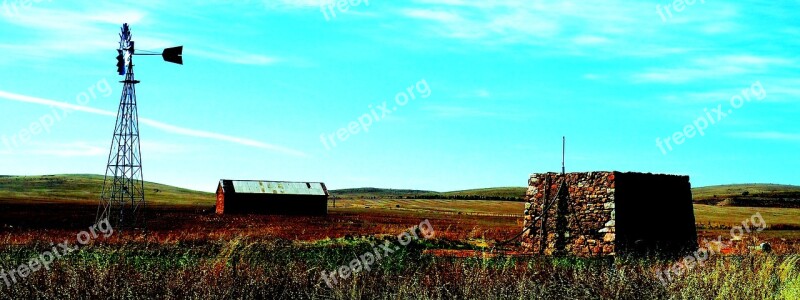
(246, 268)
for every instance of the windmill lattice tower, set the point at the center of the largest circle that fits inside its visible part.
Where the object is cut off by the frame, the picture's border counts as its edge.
(123, 198)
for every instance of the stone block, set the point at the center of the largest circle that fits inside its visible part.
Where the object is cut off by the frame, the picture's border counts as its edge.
(609, 237)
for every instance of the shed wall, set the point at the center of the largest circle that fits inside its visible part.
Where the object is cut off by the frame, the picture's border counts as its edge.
(275, 204)
(220, 207)
(655, 214)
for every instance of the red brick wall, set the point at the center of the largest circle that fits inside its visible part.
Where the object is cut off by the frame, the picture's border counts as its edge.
(220, 208)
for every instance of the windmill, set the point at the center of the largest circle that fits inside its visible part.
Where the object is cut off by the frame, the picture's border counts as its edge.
(123, 199)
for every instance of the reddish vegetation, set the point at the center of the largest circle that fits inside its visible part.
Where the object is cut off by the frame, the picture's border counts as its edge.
(26, 223)
(780, 242)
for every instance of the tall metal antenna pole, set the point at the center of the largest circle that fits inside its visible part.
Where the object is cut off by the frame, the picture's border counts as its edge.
(122, 201)
(563, 154)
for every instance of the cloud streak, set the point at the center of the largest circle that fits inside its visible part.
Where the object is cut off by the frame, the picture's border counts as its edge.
(713, 67)
(234, 57)
(60, 33)
(75, 149)
(770, 135)
(156, 124)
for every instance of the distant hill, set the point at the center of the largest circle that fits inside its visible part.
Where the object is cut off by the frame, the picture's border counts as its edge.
(363, 193)
(751, 195)
(492, 192)
(504, 193)
(87, 189)
(754, 195)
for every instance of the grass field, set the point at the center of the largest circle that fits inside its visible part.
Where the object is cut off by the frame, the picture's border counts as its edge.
(189, 252)
(729, 216)
(475, 207)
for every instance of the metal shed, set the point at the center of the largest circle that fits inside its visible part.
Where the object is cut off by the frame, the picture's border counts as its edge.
(271, 197)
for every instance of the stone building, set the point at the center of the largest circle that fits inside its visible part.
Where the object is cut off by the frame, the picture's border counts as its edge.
(609, 213)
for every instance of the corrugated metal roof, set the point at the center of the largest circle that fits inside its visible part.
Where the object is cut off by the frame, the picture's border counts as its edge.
(274, 187)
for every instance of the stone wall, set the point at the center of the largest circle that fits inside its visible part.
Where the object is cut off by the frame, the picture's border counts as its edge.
(582, 223)
(608, 213)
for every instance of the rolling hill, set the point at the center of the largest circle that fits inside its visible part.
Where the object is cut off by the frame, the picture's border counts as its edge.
(749, 195)
(736, 195)
(86, 189)
(367, 193)
(503, 193)
(491, 192)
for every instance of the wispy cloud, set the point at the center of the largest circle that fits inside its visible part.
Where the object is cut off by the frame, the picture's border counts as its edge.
(233, 56)
(712, 67)
(290, 4)
(589, 40)
(592, 76)
(589, 28)
(557, 25)
(156, 124)
(457, 111)
(75, 149)
(481, 93)
(701, 98)
(86, 148)
(785, 90)
(769, 135)
(510, 27)
(59, 33)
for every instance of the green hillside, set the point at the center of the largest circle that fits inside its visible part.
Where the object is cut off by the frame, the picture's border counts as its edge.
(749, 195)
(738, 189)
(492, 192)
(87, 189)
(366, 193)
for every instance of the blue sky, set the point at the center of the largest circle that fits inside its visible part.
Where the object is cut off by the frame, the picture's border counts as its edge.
(491, 87)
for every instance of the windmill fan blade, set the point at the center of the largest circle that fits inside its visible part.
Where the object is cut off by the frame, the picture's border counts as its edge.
(173, 55)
